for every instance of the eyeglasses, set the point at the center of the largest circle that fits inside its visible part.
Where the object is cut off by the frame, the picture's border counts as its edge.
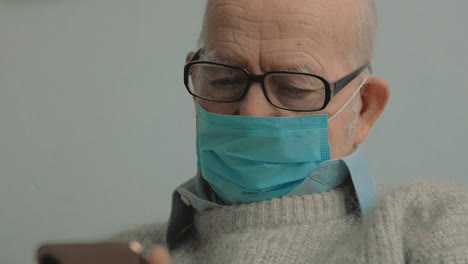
(294, 91)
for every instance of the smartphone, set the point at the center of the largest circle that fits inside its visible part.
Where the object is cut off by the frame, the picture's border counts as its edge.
(93, 253)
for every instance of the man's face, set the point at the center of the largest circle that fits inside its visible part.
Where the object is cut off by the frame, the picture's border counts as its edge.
(268, 35)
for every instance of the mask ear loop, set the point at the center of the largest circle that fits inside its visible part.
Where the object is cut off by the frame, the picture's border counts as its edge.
(350, 99)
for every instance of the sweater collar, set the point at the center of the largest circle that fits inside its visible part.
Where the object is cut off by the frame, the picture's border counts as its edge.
(315, 209)
(196, 194)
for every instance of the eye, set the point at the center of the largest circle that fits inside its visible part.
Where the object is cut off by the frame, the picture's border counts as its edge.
(226, 82)
(296, 91)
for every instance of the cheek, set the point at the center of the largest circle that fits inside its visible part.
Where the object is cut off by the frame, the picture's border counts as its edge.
(337, 140)
(341, 143)
(218, 108)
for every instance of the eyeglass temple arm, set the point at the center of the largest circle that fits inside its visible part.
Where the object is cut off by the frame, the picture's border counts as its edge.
(197, 55)
(340, 84)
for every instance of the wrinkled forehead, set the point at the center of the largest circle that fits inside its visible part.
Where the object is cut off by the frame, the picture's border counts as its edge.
(273, 34)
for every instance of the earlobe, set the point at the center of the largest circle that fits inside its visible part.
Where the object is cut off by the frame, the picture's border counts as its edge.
(374, 96)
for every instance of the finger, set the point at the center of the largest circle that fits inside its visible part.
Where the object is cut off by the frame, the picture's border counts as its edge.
(159, 255)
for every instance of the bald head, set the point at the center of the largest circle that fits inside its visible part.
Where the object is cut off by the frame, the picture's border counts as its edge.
(358, 18)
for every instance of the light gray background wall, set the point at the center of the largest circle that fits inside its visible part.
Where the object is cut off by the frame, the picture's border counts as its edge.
(96, 128)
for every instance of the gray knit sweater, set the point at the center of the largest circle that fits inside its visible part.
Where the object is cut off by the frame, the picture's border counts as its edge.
(421, 223)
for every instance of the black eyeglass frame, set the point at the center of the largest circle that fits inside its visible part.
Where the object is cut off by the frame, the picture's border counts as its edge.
(331, 89)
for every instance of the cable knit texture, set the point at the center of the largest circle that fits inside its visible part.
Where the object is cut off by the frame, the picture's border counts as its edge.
(421, 223)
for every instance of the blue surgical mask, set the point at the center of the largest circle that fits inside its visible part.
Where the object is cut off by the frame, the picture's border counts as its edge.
(250, 159)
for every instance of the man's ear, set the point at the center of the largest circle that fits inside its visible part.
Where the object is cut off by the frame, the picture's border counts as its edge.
(374, 96)
(189, 56)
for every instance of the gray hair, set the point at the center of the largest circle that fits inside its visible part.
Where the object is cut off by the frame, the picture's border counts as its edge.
(366, 30)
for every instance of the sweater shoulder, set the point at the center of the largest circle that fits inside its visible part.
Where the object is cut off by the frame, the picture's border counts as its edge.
(428, 194)
(430, 219)
(424, 200)
(148, 235)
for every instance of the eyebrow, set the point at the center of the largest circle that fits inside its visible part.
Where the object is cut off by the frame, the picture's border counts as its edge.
(214, 56)
(302, 68)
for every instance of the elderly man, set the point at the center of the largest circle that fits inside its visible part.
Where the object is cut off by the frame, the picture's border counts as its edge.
(284, 96)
